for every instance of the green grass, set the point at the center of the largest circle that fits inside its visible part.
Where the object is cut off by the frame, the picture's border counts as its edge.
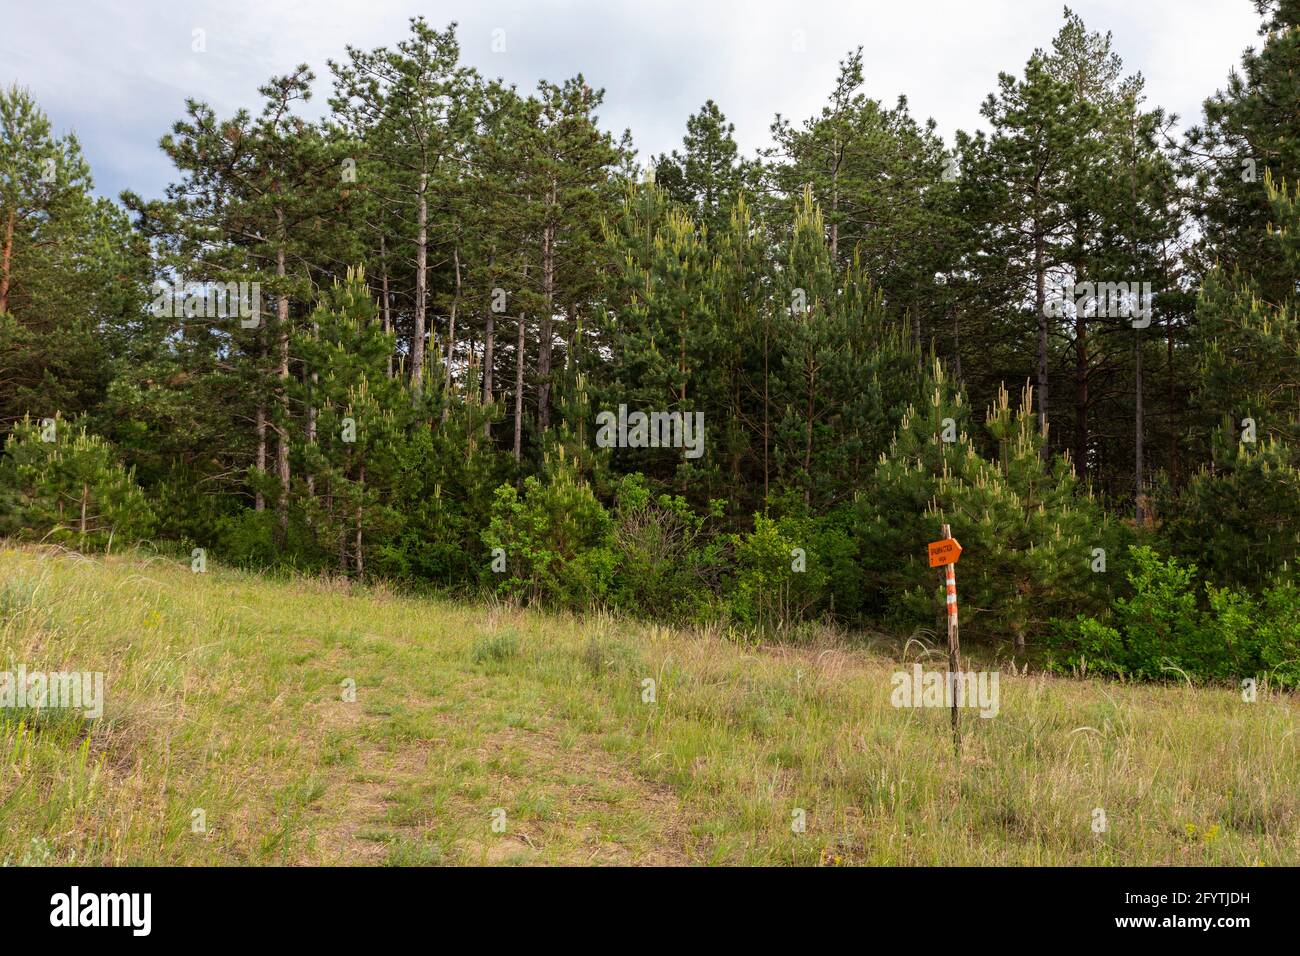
(225, 694)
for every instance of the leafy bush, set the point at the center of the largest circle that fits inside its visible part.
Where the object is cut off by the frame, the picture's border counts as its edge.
(1162, 630)
(253, 539)
(778, 579)
(833, 563)
(1276, 632)
(557, 542)
(667, 562)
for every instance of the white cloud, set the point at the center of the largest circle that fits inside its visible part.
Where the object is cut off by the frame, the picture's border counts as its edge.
(119, 72)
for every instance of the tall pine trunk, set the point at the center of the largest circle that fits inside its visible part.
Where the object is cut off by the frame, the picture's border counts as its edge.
(1081, 381)
(1139, 411)
(386, 301)
(519, 380)
(1171, 396)
(767, 404)
(359, 556)
(259, 500)
(282, 392)
(545, 331)
(956, 347)
(7, 258)
(1139, 480)
(489, 329)
(311, 419)
(1040, 308)
(451, 339)
(808, 436)
(421, 286)
(835, 209)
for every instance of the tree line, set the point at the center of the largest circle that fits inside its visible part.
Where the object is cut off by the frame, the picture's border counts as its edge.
(378, 344)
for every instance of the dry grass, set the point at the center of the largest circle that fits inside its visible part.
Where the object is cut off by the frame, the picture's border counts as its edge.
(224, 694)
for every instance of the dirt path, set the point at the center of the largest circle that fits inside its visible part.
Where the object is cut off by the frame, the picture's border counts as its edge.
(566, 799)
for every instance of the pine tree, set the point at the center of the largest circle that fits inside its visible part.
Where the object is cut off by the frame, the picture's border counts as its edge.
(246, 216)
(878, 177)
(70, 486)
(661, 305)
(1027, 529)
(362, 419)
(72, 274)
(708, 176)
(843, 369)
(1015, 190)
(413, 108)
(567, 181)
(1239, 516)
(1248, 131)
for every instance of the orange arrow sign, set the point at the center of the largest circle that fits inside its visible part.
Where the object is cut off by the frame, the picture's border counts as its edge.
(944, 552)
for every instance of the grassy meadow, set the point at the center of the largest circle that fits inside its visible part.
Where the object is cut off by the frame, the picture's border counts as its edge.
(485, 734)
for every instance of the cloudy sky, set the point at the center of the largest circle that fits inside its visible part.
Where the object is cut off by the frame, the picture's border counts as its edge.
(117, 72)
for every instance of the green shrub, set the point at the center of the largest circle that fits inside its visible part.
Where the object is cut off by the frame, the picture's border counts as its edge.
(667, 563)
(779, 579)
(1160, 622)
(1277, 633)
(833, 564)
(1163, 630)
(72, 490)
(557, 542)
(1239, 520)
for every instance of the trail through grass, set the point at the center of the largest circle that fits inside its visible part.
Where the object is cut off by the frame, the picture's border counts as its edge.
(487, 735)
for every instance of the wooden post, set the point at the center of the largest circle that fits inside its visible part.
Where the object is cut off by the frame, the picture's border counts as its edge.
(954, 644)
